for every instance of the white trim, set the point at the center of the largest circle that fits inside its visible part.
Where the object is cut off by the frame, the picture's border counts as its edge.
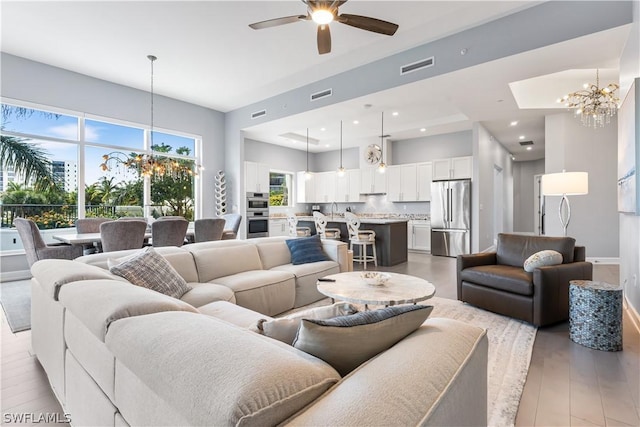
(633, 314)
(12, 276)
(604, 260)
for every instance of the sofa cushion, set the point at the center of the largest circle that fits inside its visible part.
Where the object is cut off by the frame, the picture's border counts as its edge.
(273, 253)
(345, 342)
(502, 277)
(150, 270)
(205, 293)
(252, 380)
(214, 261)
(234, 314)
(285, 328)
(306, 249)
(99, 303)
(542, 259)
(514, 249)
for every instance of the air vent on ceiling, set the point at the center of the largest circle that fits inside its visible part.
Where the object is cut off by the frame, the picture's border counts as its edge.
(321, 94)
(418, 65)
(258, 114)
(524, 143)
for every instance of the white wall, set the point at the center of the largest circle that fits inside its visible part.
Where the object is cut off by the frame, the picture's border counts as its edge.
(524, 203)
(38, 83)
(577, 148)
(630, 224)
(425, 149)
(487, 154)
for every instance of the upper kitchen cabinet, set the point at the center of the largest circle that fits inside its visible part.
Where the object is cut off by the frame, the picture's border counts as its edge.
(401, 183)
(424, 172)
(372, 182)
(256, 177)
(325, 187)
(305, 187)
(348, 186)
(454, 168)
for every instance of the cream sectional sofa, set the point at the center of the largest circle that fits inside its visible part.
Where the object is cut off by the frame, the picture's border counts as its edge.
(119, 355)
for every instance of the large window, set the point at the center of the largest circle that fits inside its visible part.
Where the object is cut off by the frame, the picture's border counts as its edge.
(95, 155)
(280, 189)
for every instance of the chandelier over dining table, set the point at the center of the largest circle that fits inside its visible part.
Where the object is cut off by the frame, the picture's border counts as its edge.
(594, 104)
(149, 164)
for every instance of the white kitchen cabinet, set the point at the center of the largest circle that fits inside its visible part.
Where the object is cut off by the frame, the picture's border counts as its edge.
(348, 186)
(401, 183)
(325, 187)
(372, 181)
(424, 172)
(256, 177)
(454, 168)
(305, 187)
(419, 235)
(278, 227)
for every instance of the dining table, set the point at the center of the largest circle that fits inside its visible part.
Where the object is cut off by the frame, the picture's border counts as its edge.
(89, 238)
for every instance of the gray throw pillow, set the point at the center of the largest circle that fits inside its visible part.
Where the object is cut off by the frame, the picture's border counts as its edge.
(285, 328)
(150, 270)
(346, 342)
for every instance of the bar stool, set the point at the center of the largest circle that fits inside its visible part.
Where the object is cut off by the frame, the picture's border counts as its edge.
(361, 238)
(294, 230)
(321, 227)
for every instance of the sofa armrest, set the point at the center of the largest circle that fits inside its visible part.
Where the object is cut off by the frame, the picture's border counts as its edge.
(472, 260)
(579, 253)
(337, 251)
(551, 290)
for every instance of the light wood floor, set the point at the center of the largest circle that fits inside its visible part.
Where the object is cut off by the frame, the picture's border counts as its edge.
(567, 384)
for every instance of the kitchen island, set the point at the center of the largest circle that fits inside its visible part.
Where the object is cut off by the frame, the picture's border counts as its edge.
(391, 235)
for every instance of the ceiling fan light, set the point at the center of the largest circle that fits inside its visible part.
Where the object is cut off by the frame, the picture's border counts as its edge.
(322, 16)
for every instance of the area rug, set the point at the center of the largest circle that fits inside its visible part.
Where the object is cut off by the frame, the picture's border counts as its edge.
(510, 347)
(15, 298)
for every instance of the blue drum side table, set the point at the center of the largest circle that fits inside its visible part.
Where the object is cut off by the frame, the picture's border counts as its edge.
(595, 314)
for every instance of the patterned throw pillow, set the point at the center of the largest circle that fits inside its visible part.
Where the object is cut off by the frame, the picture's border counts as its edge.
(541, 259)
(306, 249)
(150, 270)
(346, 342)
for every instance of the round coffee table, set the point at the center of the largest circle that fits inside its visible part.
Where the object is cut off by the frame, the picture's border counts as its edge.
(400, 289)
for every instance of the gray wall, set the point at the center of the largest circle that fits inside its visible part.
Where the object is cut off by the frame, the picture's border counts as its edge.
(523, 194)
(432, 147)
(330, 160)
(276, 156)
(576, 148)
(38, 83)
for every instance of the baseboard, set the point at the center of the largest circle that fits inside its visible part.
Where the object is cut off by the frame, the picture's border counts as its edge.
(633, 314)
(11, 276)
(604, 260)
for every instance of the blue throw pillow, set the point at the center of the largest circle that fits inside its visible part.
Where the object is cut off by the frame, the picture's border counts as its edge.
(306, 249)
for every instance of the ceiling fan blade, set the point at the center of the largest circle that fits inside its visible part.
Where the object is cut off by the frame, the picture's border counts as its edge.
(324, 39)
(277, 21)
(369, 24)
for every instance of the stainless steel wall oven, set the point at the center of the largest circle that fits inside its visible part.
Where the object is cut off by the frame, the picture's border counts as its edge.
(257, 215)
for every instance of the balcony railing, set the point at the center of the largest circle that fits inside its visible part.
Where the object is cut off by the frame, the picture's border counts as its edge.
(52, 216)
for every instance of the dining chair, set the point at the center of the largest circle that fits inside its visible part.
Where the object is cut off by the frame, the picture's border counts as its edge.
(162, 218)
(208, 229)
(294, 230)
(231, 227)
(121, 235)
(321, 227)
(35, 246)
(169, 232)
(90, 225)
(362, 239)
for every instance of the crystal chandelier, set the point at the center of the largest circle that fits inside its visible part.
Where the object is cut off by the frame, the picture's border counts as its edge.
(594, 104)
(147, 164)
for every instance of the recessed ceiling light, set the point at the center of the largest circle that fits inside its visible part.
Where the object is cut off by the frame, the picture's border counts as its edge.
(327, 145)
(529, 148)
(513, 123)
(521, 137)
(423, 129)
(355, 122)
(323, 129)
(395, 113)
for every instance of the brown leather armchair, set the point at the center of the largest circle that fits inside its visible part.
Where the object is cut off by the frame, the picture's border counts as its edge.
(497, 281)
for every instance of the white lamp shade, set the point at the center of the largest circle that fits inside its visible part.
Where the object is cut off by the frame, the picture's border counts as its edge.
(565, 183)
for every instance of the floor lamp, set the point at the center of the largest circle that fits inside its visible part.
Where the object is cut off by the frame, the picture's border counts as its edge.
(565, 184)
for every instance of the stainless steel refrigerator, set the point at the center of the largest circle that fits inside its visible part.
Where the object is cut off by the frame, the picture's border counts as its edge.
(451, 217)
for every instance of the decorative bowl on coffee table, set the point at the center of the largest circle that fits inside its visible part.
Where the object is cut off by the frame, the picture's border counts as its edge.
(375, 278)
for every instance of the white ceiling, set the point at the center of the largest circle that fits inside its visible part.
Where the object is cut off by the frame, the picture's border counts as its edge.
(207, 55)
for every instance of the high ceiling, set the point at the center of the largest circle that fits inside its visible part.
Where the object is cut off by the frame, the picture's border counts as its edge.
(207, 55)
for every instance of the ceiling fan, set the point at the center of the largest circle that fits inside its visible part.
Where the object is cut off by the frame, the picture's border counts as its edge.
(322, 12)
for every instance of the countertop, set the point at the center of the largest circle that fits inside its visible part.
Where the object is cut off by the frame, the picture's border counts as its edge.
(363, 220)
